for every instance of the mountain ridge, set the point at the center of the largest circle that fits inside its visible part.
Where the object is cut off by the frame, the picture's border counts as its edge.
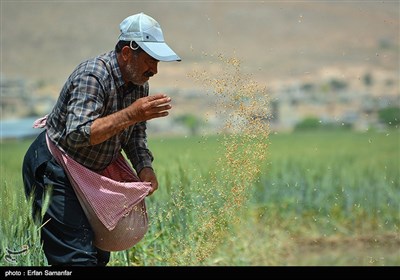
(44, 41)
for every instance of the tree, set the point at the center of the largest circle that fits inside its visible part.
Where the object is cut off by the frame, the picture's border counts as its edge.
(390, 116)
(191, 122)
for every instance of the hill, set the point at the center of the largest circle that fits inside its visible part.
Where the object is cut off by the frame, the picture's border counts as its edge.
(42, 41)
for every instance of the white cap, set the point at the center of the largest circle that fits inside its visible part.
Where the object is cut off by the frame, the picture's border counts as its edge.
(147, 33)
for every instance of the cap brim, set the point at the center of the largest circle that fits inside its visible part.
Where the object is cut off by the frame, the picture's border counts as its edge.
(159, 51)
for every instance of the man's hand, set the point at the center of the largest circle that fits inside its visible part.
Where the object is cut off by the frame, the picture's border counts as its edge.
(149, 107)
(143, 109)
(147, 175)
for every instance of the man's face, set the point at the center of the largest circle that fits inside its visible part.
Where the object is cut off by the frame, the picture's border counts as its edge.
(140, 68)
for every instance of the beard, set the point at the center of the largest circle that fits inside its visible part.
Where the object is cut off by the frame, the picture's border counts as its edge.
(133, 74)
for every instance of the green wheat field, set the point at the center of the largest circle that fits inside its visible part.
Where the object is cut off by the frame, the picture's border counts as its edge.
(318, 198)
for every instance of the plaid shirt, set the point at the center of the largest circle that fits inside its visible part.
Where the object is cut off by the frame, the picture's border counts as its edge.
(95, 89)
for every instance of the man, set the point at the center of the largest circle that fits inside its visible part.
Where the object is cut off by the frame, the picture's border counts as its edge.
(102, 109)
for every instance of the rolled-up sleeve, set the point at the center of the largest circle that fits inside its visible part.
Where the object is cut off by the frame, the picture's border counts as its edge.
(86, 104)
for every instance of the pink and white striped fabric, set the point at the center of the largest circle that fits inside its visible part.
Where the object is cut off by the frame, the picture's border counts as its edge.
(113, 200)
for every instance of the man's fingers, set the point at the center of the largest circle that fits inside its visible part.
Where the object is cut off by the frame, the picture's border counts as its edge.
(160, 101)
(156, 96)
(154, 106)
(161, 111)
(163, 108)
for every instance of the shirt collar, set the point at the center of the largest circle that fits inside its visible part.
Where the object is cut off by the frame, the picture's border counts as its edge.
(116, 71)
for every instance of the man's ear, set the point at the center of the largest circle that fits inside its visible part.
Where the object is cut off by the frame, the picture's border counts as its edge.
(126, 52)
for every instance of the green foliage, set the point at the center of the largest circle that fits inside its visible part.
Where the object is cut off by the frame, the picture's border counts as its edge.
(390, 116)
(314, 184)
(308, 123)
(20, 242)
(336, 84)
(312, 123)
(192, 122)
(367, 78)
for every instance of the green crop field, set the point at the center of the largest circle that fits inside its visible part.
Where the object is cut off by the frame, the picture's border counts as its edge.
(319, 198)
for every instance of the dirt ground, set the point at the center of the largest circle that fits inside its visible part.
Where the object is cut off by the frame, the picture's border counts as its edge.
(382, 250)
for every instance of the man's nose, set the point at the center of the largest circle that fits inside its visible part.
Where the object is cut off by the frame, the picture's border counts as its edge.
(154, 68)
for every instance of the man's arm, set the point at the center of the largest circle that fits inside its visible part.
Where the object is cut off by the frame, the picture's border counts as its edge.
(140, 156)
(143, 109)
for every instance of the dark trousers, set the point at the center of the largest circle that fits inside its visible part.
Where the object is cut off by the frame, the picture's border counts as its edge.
(67, 236)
